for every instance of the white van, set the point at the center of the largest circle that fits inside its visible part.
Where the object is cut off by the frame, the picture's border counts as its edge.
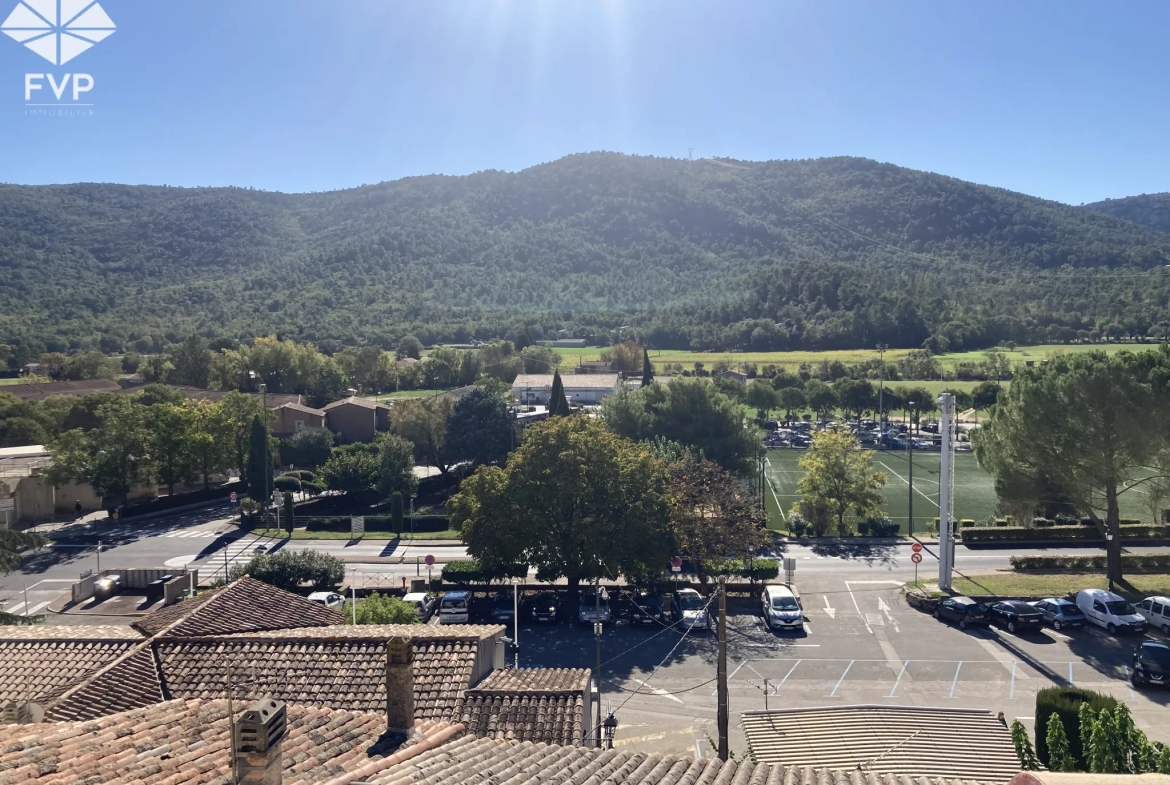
(1156, 611)
(455, 608)
(1108, 610)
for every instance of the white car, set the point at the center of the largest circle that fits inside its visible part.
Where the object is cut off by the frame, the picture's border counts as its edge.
(781, 609)
(1156, 612)
(330, 599)
(425, 602)
(1108, 610)
(691, 611)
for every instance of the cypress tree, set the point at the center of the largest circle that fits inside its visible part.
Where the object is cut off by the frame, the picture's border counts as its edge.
(1087, 717)
(1126, 742)
(1164, 760)
(259, 462)
(396, 511)
(1058, 756)
(558, 404)
(289, 512)
(1023, 747)
(647, 368)
(1102, 740)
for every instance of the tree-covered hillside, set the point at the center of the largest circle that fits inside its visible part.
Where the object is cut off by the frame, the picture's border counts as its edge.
(1147, 209)
(706, 254)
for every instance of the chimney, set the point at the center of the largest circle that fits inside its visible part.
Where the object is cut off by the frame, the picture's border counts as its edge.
(399, 684)
(21, 713)
(259, 732)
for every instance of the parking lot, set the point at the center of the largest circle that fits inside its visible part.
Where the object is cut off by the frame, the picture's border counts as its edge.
(860, 644)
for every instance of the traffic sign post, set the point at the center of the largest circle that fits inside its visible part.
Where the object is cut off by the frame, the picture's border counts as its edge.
(916, 557)
(676, 564)
(429, 560)
(916, 547)
(234, 498)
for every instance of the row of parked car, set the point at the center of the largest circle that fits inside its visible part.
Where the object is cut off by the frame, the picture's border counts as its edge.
(780, 608)
(1151, 659)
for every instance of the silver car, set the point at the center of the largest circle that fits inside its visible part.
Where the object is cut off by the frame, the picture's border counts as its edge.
(691, 611)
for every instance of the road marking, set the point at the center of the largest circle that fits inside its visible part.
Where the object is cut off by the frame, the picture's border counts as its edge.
(956, 680)
(1070, 678)
(779, 506)
(1129, 683)
(786, 675)
(874, 583)
(858, 608)
(732, 675)
(1012, 691)
(1001, 657)
(656, 691)
(889, 615)
(33, 612)
(843, 675)
(903, 479)
(899, 679)
(828, 608)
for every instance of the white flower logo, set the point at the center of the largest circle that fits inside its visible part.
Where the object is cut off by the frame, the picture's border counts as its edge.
(58, 30)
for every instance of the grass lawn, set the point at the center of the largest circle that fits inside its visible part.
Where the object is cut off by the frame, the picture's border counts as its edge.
(5, 380)
(302, 534)
(1053, 584)
(1044, 351)
(404, 394)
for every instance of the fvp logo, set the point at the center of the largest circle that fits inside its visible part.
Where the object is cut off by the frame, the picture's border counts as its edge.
(58, 30)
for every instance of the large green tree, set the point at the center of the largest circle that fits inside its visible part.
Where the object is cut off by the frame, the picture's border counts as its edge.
(1083, 424)
(170, 438)
(352, 468)
(575, 500)
(113, 457)
(480, 428)
(424, 423)
(839, 481)
(395, 466)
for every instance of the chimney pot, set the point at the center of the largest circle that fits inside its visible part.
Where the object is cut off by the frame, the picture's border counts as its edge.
(21, 713)
(399, 683)
(259, 732)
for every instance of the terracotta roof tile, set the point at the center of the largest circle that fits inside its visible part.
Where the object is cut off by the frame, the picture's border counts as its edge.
(40, 670)
(383, 631)
(442, 670)
(245, 605)
(544, 717)
(536, 680)
(187, 743)
(130, 682)
(69, 632)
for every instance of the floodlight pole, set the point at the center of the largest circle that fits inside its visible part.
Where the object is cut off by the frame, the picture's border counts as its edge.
(910, 482)
(881, 348)
(946, 524)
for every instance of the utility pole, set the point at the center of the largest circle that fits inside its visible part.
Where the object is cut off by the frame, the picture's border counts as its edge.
(722, 669)
(910, 483)
(881, 347)
(597, 647)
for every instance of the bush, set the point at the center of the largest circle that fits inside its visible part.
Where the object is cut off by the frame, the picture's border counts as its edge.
(379, 523)
(289, 570)
(1066, 702)
(468, 571)
(1066, 533)
(797, 525)
(180, 500)
(755, 569)
(376, 609)
(883, 527)
(1130, 562)
(964, 523)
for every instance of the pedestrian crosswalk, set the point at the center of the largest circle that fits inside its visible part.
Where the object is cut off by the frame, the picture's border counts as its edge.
(191, 534)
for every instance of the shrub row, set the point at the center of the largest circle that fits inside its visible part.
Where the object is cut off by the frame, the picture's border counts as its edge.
(1060, 533)
(181, 500)
(1066, 702)
(288, 570)
(1131, 562)
(755, 570)
(377, 523)
(469, 571)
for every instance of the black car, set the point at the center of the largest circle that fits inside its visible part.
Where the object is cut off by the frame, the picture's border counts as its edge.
(1151, 664)
(545, 608)
(1016, 616)
(646, 609)
(963, 610)
(503, 607)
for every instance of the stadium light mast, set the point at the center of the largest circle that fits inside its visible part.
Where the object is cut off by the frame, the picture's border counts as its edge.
(881, 349)
(946, 506)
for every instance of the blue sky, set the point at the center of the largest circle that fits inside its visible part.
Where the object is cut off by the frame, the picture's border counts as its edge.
(1065, 100)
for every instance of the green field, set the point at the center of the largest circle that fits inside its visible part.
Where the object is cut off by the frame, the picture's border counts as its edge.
(792, 360)
(974, 492)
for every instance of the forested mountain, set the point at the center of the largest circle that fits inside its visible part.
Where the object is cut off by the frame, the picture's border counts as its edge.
(1147, 209)
(707, 254)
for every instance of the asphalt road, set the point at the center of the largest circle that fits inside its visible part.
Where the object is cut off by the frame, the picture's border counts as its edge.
(861, 643)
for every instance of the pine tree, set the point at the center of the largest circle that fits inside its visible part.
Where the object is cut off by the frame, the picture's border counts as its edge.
(1058, 757)
(1103, 745)
(259, 462)
(647, 369)
(558, 404)
(1023, 746)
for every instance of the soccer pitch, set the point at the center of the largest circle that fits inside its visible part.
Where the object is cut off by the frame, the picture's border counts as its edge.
(974, 493)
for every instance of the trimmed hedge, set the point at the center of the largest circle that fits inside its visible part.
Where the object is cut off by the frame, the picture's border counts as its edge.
(378, 523)
(993, 534)
(1066, 702)
(756, 569)
(469, 571)
(1131, 562)
(180, 500)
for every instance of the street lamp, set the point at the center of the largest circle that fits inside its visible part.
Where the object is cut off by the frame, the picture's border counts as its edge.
(610, 726)
(910, 482)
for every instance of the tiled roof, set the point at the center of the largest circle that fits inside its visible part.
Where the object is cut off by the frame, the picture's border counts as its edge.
(385, 631)
(245, 605)
(913, 741)
(529, 704)
(340, 673)
(571, 381)
(128, 683)
(69, 632)
(40, 670)
(188, 742)
(365, 403)
(296, 407)
(474, 761)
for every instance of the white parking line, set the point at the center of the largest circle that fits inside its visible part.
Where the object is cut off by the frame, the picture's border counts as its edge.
(958, 668)
(898, 680)
(1070, 678)
(843, 675)
(1012, 692)
(786, 675)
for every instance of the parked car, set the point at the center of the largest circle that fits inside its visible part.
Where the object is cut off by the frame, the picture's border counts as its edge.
(771, 425)
(1060, 613)
(594, 607)
(646, 608)
(1108, 610)
(781, 609)
(690, 610)
(330, 599)
(424, 602)
(455, 607)
(545, 608)
(963, 610)
(1151, 664)
(1016, 616)
(1156, 612)
(503, 608)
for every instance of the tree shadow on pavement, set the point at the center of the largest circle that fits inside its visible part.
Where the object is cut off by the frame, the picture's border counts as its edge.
(870, 553)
